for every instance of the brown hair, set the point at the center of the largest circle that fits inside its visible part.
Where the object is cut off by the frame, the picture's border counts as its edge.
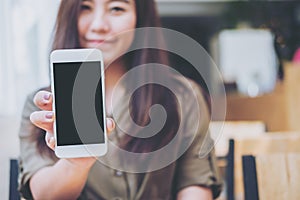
(66, 36)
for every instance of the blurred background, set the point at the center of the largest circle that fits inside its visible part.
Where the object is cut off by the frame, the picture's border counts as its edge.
(252, 43)
(24, 48)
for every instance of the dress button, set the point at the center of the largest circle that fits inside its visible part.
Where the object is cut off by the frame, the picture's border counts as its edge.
(117, 198)
(118, 173)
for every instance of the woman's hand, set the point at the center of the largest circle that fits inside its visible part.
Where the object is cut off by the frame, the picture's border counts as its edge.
(44, 119)
(75, 170)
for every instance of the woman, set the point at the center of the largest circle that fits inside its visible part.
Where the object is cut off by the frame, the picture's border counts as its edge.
(90, 24)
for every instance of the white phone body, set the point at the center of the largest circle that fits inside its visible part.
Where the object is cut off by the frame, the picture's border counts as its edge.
(80, 117)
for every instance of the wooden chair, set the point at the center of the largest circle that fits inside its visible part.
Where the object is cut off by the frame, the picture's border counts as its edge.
(229, 130)
(273, 176)
(250, 178)
(264, 144)
(229, 179)
(232, 129)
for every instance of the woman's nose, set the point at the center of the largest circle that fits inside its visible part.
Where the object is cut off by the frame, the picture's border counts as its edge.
(100, 23)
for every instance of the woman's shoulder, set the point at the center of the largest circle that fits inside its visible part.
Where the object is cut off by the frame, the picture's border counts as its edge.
(185, 83)
(193, 105)
(188, 90)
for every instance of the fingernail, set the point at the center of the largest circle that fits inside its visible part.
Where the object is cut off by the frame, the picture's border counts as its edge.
(51, 141)
(47, 96)
(109, 123)
(49, 115)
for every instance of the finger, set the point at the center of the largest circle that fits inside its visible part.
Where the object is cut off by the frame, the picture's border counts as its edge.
(110, 125)
(43, 120)
(50, 140)
(43, 100)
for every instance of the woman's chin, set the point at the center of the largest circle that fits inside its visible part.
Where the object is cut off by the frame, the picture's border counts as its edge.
(109, 58)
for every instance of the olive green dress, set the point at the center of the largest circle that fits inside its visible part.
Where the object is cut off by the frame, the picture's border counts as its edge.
(107, 180)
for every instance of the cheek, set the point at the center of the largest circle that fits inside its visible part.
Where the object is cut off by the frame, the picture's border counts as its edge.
(132, 21)
(127, 22)
(129, 26)
(82, 25)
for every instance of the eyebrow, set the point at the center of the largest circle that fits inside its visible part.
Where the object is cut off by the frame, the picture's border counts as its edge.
(110, 1)
(125, 1)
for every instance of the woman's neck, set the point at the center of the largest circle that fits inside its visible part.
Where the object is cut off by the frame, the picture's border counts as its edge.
(113, 73)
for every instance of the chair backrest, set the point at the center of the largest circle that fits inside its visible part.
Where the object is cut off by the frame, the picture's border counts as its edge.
(230, 171)
(13, 180)
(265, 144)
(232, 129)
(274, 176)
(224, 146)
(250, 178)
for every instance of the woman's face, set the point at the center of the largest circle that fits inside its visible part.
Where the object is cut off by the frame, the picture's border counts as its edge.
(100, 22)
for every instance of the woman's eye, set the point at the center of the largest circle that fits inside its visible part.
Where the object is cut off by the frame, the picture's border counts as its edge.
(117, 9)
(85, 7)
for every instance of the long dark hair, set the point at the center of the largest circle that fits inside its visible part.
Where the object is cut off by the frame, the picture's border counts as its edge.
(66, 36)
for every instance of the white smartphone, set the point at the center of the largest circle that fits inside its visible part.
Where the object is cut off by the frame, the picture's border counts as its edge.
(77, 83)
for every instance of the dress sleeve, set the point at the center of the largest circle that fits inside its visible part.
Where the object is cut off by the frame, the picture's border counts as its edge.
(195, 166)
(30, 159)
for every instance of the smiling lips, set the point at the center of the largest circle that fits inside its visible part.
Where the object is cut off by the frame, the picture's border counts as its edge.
(100, 41)
(96, 41)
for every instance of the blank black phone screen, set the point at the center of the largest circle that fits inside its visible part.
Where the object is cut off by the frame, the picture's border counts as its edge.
(78, 103)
